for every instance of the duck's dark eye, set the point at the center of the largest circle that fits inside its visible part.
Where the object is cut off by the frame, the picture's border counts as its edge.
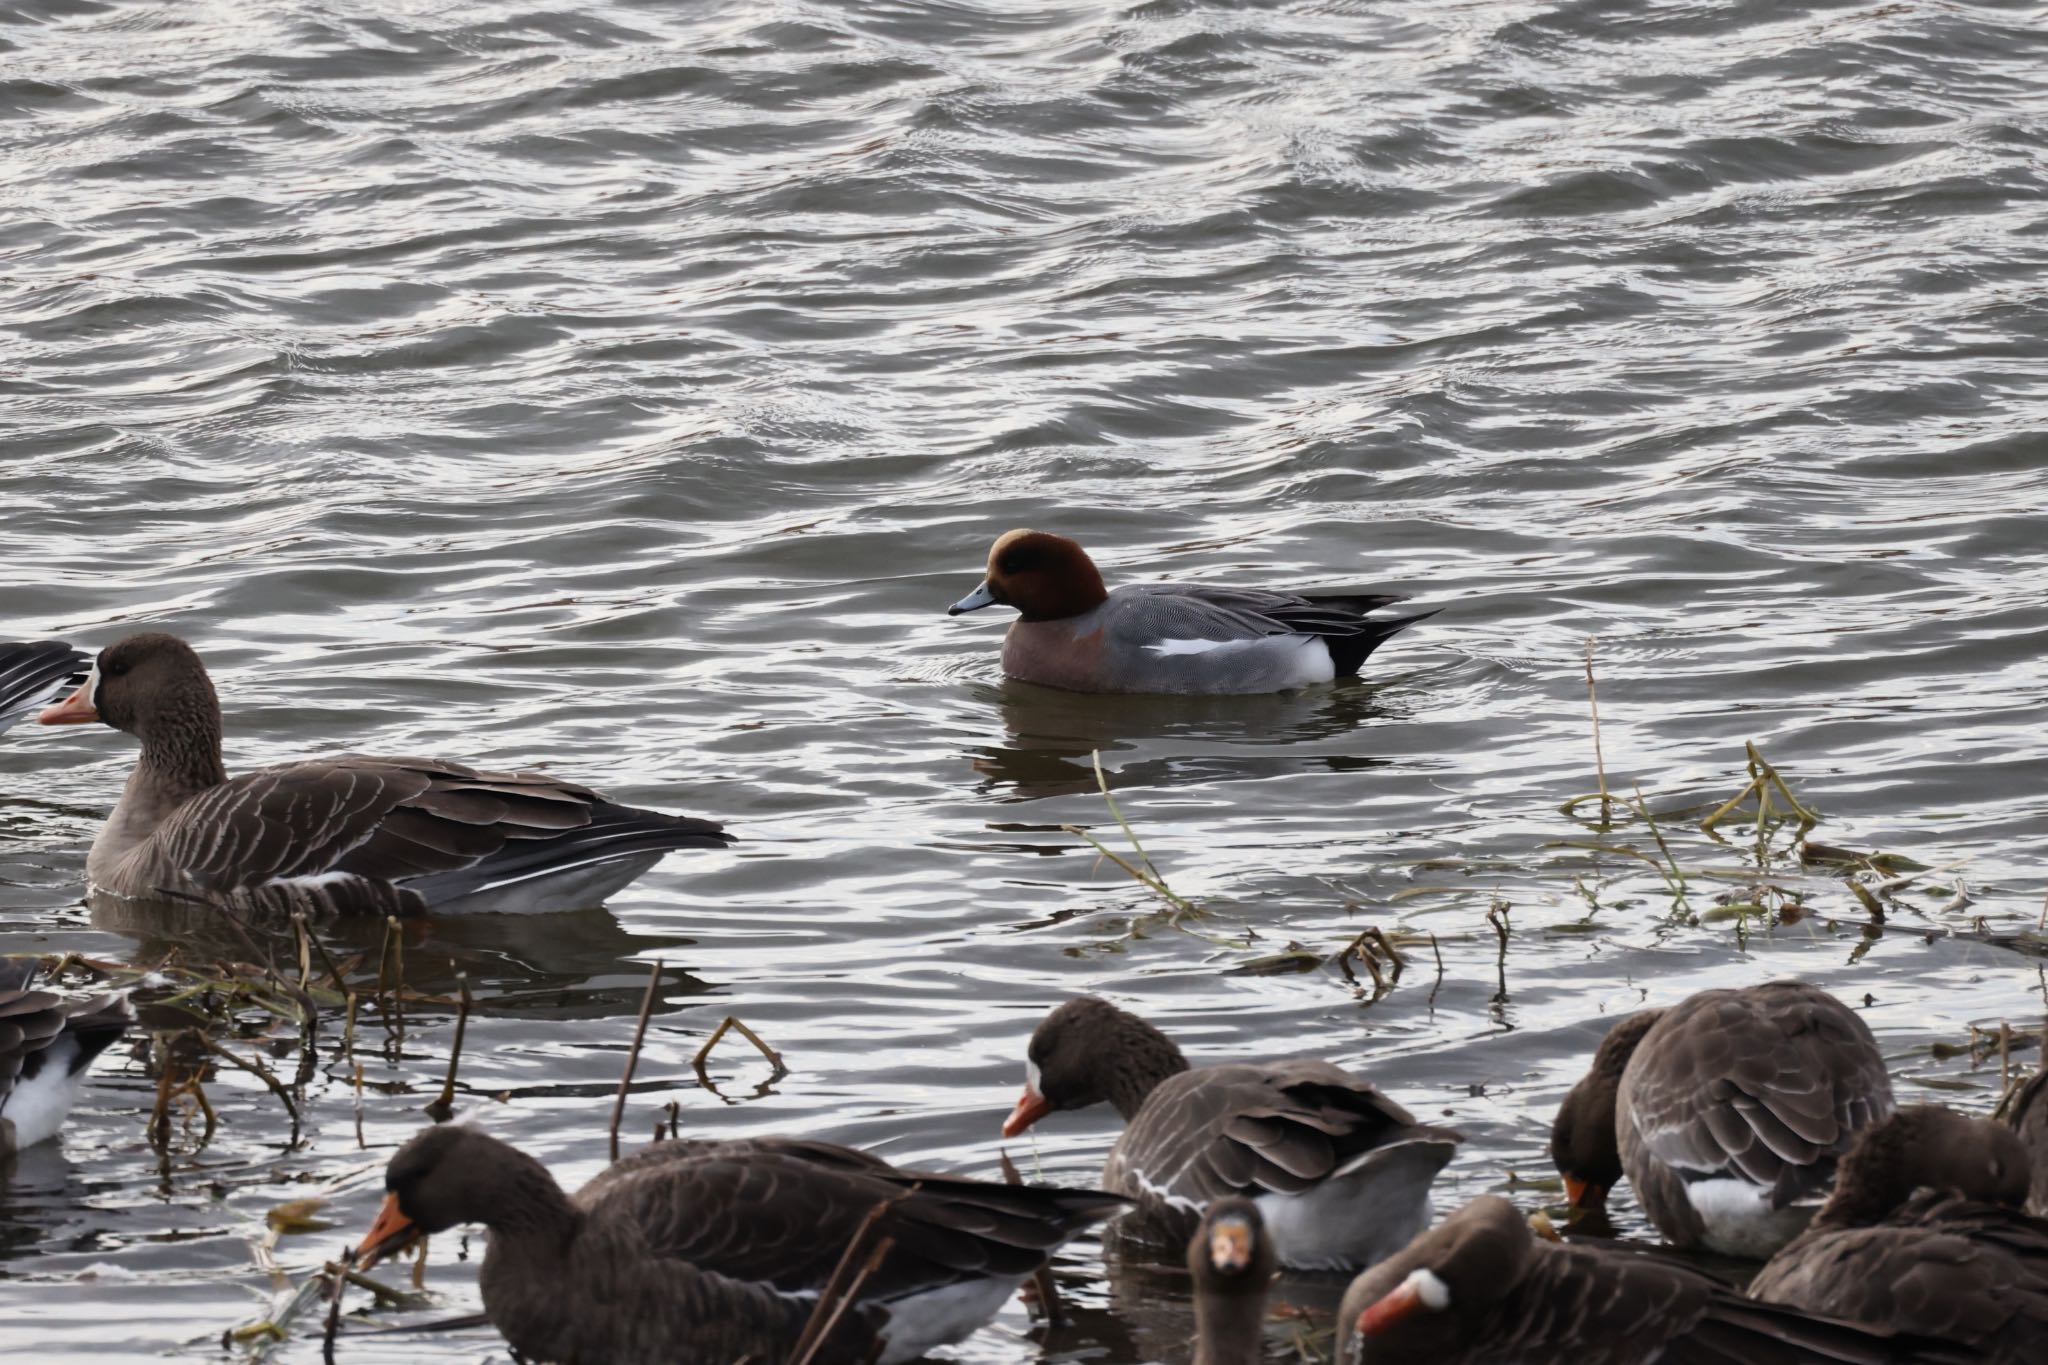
(1015, 562)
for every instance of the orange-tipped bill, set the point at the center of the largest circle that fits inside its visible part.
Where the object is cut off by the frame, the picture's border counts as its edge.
(75, 709)
(1583, 1198)
(1230, 1246)
(392, 1233)
(1420, 1292)
(1031, 1107)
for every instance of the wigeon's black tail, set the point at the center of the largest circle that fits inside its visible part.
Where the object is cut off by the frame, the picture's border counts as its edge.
(1352, 641)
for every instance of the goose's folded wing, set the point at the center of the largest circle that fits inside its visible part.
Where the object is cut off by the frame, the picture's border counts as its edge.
(357, 826)
(1282, 1127)
(1766, 1093)
(782, 1212)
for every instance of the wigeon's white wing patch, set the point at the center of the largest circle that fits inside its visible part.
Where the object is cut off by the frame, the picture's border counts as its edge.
(1166, 649)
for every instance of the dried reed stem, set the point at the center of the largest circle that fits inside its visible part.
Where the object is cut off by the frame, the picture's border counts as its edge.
(1599, 758)
(633, 1056)
(443, 1109)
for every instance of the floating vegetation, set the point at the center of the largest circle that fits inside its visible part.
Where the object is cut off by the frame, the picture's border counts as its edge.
(1143, 871)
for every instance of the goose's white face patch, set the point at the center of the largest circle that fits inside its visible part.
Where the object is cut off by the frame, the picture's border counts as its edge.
(1031, 1077)
(92, 686)
(1434, 1293)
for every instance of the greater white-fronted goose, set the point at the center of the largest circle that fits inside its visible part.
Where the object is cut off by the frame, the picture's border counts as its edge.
(706, 1253)
(1923, 1234)
(1481, 1289)
(350, 833)
(33, 672)
(47, 1043)
(1728, 1112)
(2030, 1121)
(1340, 1173)
(1232, 1262)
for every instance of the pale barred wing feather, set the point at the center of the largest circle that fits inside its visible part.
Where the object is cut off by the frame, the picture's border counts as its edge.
(393, 834)
(29, 1022)
(781, 1211)
(1768, 1085)
(1244, 1129)
(34, 673)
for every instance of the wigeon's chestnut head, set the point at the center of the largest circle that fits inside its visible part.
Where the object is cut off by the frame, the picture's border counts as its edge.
(1044, 576)
(1193, 639)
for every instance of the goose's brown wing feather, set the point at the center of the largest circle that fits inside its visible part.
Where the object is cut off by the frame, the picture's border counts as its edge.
(391, 834)
(1600, 1306)
(629, 1306)
(2030, 1120)
(1940, 1266)
(29, 1022)
(781, 1211)
(1249, 1129)
(1767, 1085)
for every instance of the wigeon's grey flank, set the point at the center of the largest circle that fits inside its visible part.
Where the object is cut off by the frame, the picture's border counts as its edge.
(1195, 639)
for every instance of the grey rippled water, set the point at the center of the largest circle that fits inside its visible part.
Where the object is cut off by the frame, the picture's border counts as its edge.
(629, 386)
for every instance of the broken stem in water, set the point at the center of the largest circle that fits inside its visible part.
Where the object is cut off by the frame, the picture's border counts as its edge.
(633, 1056)
(731, 1024)
(443, 1108)
(1599, 758)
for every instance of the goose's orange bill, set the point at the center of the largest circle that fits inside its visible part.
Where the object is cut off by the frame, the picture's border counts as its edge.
(1031, 1107)
(75, 709)
(1583, 1196)
(1404, 1303)
(393, 1232)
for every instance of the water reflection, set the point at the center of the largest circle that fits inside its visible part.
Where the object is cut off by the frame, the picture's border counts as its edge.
(1049, 736)
(579, 964)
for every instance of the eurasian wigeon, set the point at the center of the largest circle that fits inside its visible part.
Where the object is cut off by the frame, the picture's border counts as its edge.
(1187, 638)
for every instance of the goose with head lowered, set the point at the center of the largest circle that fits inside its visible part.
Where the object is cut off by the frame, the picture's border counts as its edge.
(1339, 1172)
(706, 1253)
(1924, 1234)
(351, 833)
(1727, 1111)
(47, 1043)
(1199, 639)
(33, 672)
(1481, 1289)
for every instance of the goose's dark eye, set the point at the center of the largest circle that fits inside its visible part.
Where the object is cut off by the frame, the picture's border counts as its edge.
(116, 668)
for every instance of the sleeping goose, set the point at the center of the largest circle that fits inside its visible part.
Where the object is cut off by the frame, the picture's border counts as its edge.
(46, 1045)
(350, 833)
(1232, 1263)
(705, 1253)
(1481, 1289)
(1923, 1234)
(33, 672)
(1339, 1172)
(1728, 1112)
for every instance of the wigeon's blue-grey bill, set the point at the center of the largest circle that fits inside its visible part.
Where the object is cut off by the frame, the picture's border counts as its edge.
(974, 601)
